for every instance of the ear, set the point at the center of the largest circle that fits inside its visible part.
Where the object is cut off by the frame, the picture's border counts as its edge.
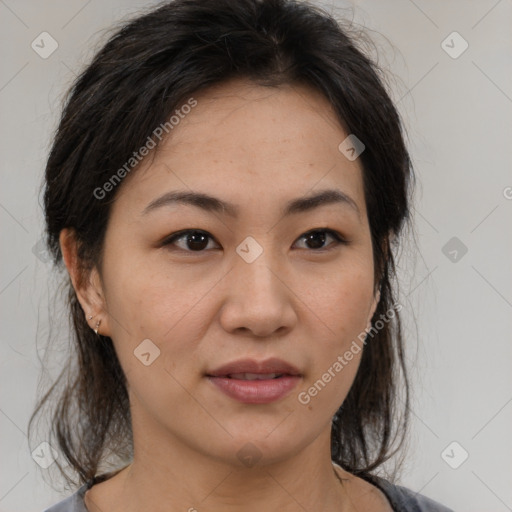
(385, 250)
(374, 305)
(88, 286)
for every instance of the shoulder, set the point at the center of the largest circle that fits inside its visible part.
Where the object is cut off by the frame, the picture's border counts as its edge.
(76, 502)
(403, 499)
(73, 503)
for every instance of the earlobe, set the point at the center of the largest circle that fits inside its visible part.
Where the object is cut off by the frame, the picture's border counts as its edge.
(88, 287)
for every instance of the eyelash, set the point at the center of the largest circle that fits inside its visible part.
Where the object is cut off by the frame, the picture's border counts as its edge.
(340, 240)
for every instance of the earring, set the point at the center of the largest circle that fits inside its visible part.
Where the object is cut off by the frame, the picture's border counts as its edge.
(97, 326)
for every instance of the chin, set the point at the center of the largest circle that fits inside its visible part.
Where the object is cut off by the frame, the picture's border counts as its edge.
(258, 447)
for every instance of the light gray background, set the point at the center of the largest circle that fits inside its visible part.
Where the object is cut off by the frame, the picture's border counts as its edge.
(458, 114)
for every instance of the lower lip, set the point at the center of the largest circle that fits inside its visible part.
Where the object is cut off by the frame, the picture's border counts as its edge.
(256, 391)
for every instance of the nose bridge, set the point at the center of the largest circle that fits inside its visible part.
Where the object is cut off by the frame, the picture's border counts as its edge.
(257, 298)
(255, 269)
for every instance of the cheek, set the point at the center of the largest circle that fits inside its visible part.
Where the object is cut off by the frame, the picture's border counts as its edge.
(150, 299)
(339, 312)
(341, 303)
(163, 305)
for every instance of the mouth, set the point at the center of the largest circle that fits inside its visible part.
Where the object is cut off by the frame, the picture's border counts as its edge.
(252, 382)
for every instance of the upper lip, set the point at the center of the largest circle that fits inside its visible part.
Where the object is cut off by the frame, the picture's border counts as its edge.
(272, 365)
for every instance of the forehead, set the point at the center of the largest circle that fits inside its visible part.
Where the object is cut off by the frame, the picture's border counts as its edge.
(254, 143)
(247, 118)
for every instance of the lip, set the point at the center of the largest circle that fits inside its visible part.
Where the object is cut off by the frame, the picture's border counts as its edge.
(272, 365)
(256, 391)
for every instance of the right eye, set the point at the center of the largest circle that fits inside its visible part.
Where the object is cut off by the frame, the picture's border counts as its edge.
(193, 240)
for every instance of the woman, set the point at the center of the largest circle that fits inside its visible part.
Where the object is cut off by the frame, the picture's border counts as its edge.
(226, 187)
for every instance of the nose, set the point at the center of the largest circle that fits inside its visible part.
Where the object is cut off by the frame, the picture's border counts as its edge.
(258, 299)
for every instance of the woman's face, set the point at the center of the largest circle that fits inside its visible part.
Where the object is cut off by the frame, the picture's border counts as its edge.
(252, 285)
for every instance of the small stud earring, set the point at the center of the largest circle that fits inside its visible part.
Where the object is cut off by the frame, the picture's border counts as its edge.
(90, 318)
(97, 326)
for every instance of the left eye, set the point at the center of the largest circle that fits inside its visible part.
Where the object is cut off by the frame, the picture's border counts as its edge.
(317, 237)
(197, 241)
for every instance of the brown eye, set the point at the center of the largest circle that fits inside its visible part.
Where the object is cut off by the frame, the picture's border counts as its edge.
(316, 238)
(192, 240)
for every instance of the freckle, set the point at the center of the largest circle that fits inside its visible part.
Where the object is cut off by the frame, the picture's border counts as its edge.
(310, 407)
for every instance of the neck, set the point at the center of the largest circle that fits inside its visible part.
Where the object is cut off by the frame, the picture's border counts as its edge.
(173, 477)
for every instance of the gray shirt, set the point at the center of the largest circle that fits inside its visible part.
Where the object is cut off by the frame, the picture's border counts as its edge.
(400, 498)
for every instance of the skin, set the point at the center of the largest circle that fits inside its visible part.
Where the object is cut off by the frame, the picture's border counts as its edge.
(258, 148)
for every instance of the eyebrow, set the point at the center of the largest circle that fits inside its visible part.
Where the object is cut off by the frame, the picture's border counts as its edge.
(213, 204)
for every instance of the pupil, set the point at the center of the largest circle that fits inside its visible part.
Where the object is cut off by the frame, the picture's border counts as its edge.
(197, 240)
(320, 237)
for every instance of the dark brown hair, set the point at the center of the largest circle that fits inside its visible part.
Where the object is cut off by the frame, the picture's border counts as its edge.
(135, 82)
